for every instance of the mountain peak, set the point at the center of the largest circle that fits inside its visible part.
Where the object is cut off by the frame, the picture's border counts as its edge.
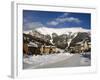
(59, 31)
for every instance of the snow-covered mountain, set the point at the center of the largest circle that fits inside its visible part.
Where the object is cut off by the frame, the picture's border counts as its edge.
(62, 37)
(58, 31)
(28, 31)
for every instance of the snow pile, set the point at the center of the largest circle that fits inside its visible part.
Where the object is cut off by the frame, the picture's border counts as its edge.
(46, 59)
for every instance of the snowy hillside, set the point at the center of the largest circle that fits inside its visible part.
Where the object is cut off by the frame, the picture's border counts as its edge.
(62, 37)
(58, 31)
(28, 31)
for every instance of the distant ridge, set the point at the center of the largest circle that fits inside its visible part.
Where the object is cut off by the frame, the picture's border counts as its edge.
(59, 31)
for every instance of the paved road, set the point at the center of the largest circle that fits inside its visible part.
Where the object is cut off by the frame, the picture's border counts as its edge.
(75, 61)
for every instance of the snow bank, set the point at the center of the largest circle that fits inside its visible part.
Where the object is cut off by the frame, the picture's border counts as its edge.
(46, 59)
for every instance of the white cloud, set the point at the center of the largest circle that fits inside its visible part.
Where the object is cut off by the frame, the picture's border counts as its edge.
(64, 18)
(68, 19)
(64, 15)
(73, 19)
(53, 23)
(32, 25)
(25, 20)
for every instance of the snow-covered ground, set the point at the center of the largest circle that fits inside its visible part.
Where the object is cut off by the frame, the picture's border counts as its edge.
(46, 59)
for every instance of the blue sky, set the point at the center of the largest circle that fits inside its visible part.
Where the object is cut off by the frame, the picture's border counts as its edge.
(35, 19)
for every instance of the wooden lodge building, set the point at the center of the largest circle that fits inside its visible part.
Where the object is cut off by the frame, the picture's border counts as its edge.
(47, 49)
(83, 46)
(36, 46)
(34, 49)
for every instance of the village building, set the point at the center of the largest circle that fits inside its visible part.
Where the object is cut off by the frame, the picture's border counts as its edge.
(25, 49)
(47, 49)
(33, 48)
(80, 47)
(36, 48)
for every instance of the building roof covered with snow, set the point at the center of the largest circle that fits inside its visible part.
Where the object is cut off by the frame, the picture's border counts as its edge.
(31, 44)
